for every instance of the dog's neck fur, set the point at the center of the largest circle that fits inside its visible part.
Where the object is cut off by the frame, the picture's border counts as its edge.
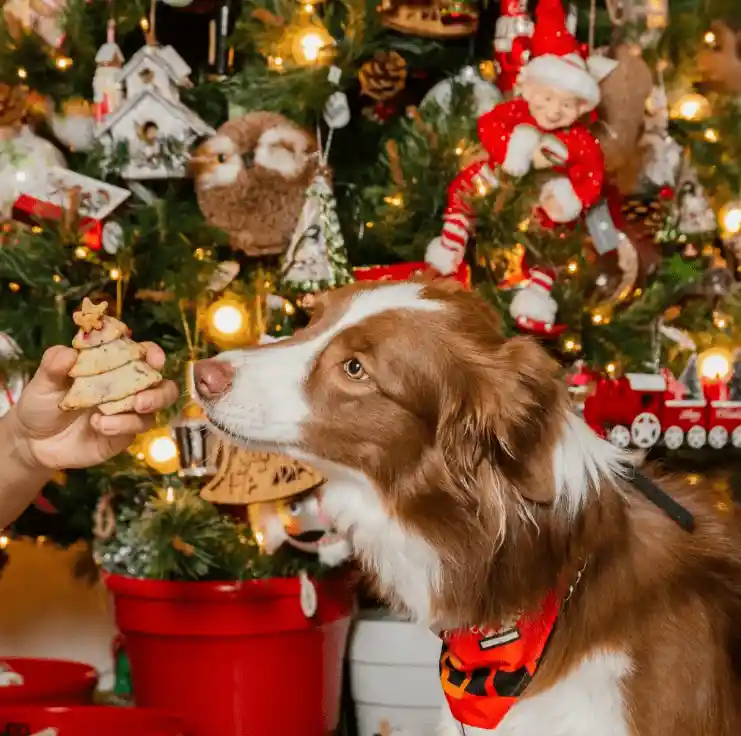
(472, 578)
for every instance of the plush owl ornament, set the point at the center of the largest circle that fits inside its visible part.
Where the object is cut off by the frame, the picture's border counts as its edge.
(251, 180)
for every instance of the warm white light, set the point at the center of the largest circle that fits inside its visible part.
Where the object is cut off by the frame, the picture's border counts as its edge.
(63, 63)
(611, 368)
(311, 43)
(711, 135)
(162, 450)
(227, 319)
(715, 364)
(170, 494)
(259, 537)
(114, 274)
(710, 38)
(22, 73)
(572, 267)
(730, 219)
(692, 106)
(4, 541)
(81, 252)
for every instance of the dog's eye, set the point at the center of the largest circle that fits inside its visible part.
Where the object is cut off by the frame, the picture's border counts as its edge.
(354, 369)
(221, 158)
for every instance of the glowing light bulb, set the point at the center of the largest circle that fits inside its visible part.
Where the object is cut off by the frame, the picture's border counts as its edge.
(56, 278)
(395, 200)
(260, 538)
(227, 319)
(63, 63)
(144, 24)
(711, 135)
(4, 541)
(288, 308)
(170, 494)
(572, 267)
(22, 73)
(14, 286)
(611, 368)
(308, 8)
(114, 274)
(570, 345)
(710, 38)
(597, 318)
(312, 44)
(692, 107)
(730, 218)
(81, 252)
(459, 151)
(162, 449)
(715, 364)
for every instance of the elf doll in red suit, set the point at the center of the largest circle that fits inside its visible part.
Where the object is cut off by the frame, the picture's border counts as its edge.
(541, 129)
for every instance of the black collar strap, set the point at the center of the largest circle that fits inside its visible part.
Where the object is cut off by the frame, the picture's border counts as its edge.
(674, 510)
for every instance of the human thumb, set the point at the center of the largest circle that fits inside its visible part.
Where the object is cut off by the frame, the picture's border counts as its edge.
(53, 373)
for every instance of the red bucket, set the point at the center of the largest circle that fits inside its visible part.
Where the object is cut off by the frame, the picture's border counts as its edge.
(237, 658)
(90, 721)
(49, 682)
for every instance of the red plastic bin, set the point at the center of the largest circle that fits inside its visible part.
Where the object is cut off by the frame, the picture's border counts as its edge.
(237, 659)
(90, 721)
(48, 682)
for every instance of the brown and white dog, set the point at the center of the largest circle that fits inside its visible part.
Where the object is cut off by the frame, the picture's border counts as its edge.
(470, 490)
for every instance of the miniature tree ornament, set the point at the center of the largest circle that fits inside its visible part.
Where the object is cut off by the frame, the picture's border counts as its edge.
(111, 368)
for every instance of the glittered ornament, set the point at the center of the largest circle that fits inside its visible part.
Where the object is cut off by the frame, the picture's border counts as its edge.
(316, 258)
(383, 76)
(484, 95)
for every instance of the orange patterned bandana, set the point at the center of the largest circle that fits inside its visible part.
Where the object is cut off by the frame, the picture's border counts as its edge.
(484, 672)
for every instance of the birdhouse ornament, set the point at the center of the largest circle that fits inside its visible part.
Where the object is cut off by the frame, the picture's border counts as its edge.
(541, 130)
(534, 309)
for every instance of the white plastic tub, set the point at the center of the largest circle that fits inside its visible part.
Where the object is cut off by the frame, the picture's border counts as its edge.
(394, 671)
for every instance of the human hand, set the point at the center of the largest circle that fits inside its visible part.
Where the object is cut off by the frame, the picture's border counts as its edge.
(52, 439)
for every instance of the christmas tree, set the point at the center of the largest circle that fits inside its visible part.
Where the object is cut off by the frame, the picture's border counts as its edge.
(205, 167)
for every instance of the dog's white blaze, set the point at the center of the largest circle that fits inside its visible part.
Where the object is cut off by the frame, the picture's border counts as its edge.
(268, 401)
(587, 702)
(580, 460)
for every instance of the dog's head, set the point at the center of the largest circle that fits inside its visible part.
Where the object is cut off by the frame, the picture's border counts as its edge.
(445, 446)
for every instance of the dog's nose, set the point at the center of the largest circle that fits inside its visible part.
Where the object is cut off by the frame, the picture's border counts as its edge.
(213, 378)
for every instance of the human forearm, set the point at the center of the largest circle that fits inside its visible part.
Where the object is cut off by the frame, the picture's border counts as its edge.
(21, 477)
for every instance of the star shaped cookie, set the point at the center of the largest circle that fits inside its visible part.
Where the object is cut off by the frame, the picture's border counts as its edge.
(90, 316)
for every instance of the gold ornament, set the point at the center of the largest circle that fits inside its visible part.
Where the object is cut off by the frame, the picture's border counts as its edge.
(258, 477)
(383, 76)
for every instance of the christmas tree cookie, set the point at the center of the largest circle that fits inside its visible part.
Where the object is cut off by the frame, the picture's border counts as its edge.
(110, 368)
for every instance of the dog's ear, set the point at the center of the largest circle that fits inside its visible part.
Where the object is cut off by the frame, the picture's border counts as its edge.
(505, 411)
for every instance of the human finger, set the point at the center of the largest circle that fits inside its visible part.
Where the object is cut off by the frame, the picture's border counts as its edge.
(121, 424)
(155, 399)
(154, 355)
(53, 373)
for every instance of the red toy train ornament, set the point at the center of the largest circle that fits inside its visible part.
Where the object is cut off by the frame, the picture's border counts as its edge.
(640, 410)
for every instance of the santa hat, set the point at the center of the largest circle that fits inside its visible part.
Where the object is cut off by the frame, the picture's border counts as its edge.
(543, 277)
(558, 60)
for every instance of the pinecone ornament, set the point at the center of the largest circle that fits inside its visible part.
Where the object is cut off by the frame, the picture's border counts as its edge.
(13, 101)
(383, 76)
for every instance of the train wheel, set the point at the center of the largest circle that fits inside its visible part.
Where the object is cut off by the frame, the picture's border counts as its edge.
(645, 430)
(718, 437)
(674, 437)
(736, 437)
(696, 437)
(620, 436)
